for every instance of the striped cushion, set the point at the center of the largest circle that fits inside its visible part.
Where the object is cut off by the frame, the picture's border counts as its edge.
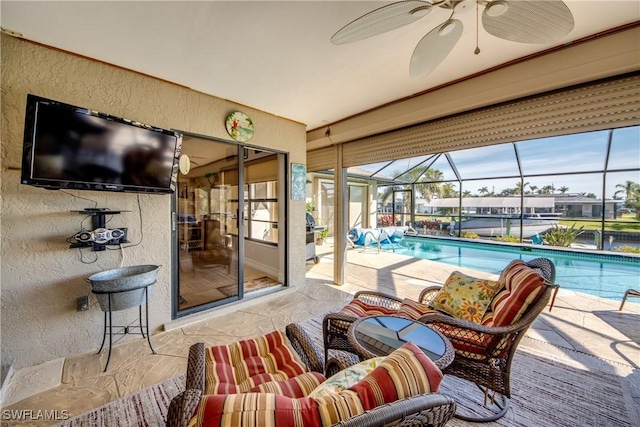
(256, 410)
(359, 308)
(299, 386)
(336, 407)
(243, 365)
(405, 372)
(413, 310)
(522, 287)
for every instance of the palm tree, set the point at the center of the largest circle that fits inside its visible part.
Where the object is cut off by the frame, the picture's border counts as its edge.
(631, 192)
(483, 191)
(563, 189)
(627, 189)
(547, 189)
(427, 181)
(533, 188)
(520, 187)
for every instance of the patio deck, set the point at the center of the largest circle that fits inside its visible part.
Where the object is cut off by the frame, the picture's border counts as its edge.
(579, 325)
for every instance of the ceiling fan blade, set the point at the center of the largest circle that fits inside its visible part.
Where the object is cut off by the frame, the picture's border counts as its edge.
(381, 20)
(539, 22)
(434, 47)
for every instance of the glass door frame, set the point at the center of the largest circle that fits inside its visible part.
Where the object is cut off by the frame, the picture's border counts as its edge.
(238, 259)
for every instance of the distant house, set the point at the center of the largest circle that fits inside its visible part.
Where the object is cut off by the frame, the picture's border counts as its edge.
(490, 205)
(578, 206)
(567, 205)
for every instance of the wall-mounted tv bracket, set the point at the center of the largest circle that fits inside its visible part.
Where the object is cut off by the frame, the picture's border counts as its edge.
(100, 236)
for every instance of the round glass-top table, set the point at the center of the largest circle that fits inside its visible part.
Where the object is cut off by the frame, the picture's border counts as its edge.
(380, 335)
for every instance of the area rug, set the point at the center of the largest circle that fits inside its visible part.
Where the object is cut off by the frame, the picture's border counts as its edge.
(146, 408)
(249, 286)
(545, 392)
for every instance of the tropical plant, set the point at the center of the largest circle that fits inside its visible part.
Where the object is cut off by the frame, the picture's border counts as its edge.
(430, 225)
(631, 192)
(628, 189)
(469, 235)
(627, 249)
(385, 221)
(509, 239)
(323, 234)
(561, 235)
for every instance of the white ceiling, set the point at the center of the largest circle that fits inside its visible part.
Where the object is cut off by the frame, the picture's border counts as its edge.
(276, 56)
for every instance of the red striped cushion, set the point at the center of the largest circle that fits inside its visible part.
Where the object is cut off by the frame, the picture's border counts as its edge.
(359, 308)
(299, 386)
(413, 310)
(336, 407)
(238, 367)
(405, 372)
(256, 410)
(522, 287)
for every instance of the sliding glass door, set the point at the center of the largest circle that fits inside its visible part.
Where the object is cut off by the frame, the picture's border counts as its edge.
(229, 222)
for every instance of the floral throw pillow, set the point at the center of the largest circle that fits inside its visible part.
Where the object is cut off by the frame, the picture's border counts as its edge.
(466, 297)
(346, 378)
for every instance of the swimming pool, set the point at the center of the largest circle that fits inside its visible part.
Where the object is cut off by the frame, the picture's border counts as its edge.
(602, 275)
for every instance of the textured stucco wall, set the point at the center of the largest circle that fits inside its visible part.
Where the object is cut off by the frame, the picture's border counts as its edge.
(40, 277)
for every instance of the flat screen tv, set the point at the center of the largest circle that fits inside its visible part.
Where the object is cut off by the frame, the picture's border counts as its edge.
(69, 147)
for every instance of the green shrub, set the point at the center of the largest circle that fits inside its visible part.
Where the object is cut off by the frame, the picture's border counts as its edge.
(510, 239)
(469, 235)
(627, 249)
(562, 236)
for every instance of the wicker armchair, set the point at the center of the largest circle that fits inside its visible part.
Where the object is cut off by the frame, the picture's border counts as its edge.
(421, 410)
(489, 367)
(336, 325)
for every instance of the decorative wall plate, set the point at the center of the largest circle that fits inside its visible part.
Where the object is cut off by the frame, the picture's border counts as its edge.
(239, 126)
(184, 164)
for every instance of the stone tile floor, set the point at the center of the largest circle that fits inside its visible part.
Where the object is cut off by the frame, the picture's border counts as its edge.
(577, 324)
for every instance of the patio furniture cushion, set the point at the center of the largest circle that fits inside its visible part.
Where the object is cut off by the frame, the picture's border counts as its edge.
(243, 365)
(405, 372)
(413, 310)
(256, 409)
(346, 378)
(299, 386)
(522, 287)
(360, 308)
(466, 297)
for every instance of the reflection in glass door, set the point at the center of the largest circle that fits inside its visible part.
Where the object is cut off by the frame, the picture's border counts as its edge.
(221, 256)
(207, 249)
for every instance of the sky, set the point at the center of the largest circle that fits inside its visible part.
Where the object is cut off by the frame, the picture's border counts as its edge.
(561, 157)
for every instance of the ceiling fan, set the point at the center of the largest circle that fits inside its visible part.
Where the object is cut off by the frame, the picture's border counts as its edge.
(523, 21)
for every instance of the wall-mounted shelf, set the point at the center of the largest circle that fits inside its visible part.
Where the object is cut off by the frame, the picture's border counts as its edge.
(99, 222)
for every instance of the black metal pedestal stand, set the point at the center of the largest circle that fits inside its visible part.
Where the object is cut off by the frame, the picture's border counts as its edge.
(125, 329)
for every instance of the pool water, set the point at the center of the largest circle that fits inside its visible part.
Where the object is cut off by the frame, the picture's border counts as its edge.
(602, 275)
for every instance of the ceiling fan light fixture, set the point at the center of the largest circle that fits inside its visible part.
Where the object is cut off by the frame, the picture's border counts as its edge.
(496, 8)
(447, 28)
(420, 11)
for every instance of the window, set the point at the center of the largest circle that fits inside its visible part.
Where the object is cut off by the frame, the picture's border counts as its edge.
(261, 211)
